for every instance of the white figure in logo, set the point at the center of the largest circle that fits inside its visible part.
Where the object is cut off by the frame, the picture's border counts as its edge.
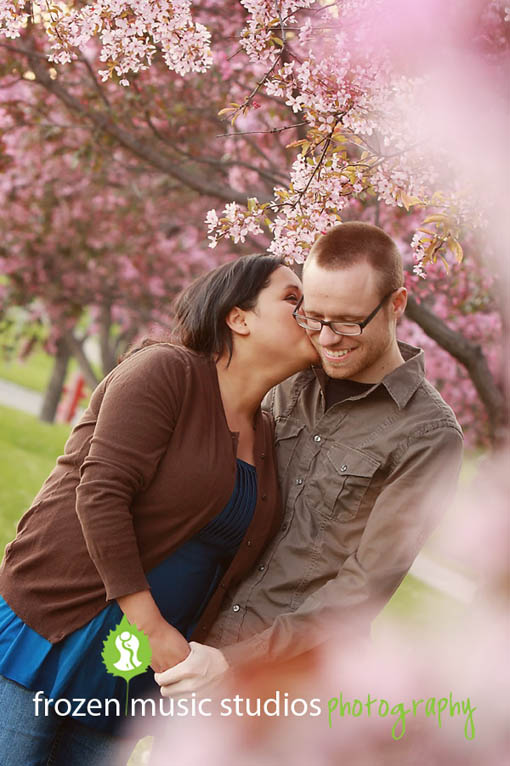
(127, 644)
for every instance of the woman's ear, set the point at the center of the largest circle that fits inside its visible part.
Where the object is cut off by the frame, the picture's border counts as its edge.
(236, 321)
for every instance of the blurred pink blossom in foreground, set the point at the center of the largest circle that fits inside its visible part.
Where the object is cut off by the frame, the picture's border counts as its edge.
(433, 695)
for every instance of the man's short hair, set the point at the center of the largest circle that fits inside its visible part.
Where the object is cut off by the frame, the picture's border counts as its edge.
(353, 242)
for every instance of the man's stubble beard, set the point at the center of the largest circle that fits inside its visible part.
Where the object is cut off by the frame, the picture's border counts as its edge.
(367, 354)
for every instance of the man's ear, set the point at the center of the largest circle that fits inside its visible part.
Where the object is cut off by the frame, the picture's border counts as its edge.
(236, 321)
(399, 302)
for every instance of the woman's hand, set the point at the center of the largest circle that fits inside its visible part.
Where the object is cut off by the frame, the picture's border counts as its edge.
(168, 646)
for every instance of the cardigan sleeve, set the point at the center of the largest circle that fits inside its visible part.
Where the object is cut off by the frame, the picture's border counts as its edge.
(135, 420)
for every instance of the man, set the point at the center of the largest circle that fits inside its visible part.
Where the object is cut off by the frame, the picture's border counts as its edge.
(368, 453)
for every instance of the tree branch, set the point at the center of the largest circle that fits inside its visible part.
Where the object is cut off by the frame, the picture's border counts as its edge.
(471, 356)
(137, 146)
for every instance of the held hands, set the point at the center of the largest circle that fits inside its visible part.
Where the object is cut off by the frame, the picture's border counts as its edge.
(203, 665)
(180, 667)
(168, 646)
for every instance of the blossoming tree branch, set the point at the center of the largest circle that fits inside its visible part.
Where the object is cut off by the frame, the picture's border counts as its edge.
(270, 120)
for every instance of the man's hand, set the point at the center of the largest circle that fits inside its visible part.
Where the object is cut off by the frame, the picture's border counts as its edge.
(203, 665)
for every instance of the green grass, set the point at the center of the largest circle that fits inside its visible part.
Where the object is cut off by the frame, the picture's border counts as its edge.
(32, 373)
(28, 450)
(35, 371)
(416, 607)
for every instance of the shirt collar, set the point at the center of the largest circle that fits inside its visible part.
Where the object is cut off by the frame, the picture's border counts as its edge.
(402, 383)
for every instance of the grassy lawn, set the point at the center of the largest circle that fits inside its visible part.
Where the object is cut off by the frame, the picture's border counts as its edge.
(28, 449)
(35, 371)
(417, 607)
(32, 373)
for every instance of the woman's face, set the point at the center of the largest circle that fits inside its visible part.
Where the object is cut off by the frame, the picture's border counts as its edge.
(274, 332)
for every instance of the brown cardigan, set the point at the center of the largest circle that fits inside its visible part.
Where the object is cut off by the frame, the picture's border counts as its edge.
(151, 462)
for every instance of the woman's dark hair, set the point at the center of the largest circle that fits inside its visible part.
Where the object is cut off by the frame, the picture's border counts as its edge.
(202, 308)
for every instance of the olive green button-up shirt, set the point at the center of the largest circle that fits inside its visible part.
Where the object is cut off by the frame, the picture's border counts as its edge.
(364, 483)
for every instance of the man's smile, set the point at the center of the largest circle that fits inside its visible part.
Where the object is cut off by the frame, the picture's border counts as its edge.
(335, 355)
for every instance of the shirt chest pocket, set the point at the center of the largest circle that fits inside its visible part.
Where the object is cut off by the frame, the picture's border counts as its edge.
(340, 483)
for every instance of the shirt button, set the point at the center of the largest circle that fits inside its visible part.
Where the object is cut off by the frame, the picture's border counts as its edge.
(343, 468)
(317, 438)
(236, 608)
(299, 482)
(262, 456)
(261, 568)
(264, 497)
(248, 543)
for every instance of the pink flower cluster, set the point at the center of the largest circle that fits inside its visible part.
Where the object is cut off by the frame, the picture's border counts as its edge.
(13, 17)
(264, 32)
(131, 32)
(375, 128)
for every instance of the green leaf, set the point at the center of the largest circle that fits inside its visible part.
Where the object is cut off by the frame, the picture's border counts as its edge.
(126, 651)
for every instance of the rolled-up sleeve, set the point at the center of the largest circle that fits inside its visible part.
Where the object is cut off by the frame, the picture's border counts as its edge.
(134, 425)
(417, 490)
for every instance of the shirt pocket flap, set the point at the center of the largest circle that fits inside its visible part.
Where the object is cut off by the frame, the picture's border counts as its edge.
(351, 462)
(350, 474)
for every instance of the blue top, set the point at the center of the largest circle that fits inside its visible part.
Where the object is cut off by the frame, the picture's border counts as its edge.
(181, 587)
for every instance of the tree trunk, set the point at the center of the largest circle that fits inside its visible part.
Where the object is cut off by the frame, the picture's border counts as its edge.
(56, 384)
(471, 356)
(108, 360)
(76, 348)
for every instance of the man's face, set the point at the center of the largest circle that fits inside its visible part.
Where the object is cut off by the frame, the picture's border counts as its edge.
(350, 295)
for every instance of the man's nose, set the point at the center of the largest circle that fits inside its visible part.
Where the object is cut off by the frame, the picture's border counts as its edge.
(329, 338)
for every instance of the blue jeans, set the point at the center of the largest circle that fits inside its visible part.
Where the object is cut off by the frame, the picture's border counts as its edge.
(51, 740)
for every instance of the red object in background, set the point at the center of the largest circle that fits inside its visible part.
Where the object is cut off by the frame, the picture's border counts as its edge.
(71, 396)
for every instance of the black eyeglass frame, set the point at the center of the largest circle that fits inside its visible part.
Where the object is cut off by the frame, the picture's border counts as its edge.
(330, 322)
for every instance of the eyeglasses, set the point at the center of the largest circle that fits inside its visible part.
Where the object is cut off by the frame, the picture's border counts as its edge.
(340, 328)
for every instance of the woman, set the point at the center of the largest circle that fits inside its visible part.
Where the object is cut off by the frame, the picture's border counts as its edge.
(166, 494)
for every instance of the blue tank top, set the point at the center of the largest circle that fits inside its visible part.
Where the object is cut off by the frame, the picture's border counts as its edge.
(181, 586)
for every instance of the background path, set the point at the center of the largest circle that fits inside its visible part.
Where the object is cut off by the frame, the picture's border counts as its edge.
(21, 398)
